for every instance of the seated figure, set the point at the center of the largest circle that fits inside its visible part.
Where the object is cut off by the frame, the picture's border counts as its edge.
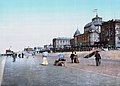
(60, 61)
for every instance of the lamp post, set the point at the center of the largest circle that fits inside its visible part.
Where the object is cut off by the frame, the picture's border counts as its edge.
(108, 38)
(108, 43)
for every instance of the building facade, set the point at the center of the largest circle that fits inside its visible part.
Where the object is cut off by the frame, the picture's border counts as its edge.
(93, 29)
(61, 43)
(91, 35)
(110, 34)
(48, 48)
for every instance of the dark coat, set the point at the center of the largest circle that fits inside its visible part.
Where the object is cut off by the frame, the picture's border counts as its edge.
(97, 55)
(72, 56)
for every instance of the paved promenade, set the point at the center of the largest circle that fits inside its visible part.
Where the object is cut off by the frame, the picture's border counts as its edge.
(29, 72)
(2, 63)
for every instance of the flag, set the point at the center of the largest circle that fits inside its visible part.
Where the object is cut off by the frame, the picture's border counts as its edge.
(95, 10)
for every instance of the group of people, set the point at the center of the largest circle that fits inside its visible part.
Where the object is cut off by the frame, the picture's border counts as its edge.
(19, 55)
(58, 62)
(61, 60)
(74, 59)
(14, 55)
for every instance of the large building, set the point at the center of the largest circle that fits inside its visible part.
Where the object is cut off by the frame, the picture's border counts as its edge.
(110, 34)
(97, 34)
(91, 35)
(61, 43)
(93, 29)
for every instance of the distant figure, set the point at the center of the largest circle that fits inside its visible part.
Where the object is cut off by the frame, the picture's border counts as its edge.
(27, 55)
(97, 58)
(22, 55)
(14, 57)
(72, 57)
(33, 54)
(19, 55)
(76, 58)
(44, 58)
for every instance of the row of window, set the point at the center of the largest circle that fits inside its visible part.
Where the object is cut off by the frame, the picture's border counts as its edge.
(63, 41)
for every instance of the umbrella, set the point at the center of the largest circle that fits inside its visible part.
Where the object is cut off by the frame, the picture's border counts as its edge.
(89, 55)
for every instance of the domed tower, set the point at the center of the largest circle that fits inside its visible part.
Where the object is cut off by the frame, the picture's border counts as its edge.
(94, 29)
(77, 32)
(95, 25)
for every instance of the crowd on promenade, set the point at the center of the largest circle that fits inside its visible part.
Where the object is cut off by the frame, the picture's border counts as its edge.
(74, 58)
(61, 58)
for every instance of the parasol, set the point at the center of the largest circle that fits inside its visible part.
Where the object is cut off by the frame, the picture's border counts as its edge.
(89, 55)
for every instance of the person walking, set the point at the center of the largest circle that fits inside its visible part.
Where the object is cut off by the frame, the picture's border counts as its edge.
(44, 58)
(14, 57)
(97, 58)
(72, 57)
(22, 55)
(19, 55)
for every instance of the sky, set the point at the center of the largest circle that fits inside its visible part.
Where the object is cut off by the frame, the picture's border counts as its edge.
(35, 23)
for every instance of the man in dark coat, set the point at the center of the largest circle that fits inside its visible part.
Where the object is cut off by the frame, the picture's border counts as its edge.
(97, 58)
(14, 57)
(72, 57)
(22, 55)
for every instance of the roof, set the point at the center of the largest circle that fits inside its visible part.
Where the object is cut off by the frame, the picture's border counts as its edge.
(97, 21)
(63, 38)
(77, 32)
(92, 27)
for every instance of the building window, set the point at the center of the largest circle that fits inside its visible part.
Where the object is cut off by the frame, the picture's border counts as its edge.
(60, 41)
(118, 42)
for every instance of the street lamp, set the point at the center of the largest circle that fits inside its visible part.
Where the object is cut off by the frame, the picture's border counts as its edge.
(108, 43)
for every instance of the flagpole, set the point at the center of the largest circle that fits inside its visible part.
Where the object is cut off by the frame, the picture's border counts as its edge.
(95, 11)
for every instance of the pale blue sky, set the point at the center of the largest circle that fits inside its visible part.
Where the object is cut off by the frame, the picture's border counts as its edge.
(36, 22)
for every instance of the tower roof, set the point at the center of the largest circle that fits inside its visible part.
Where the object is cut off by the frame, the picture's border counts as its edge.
(77, 32)
(92, 27)
(96, 21)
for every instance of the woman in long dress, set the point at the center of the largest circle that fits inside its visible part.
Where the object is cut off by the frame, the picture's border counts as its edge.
(76, 58)
(44, 58)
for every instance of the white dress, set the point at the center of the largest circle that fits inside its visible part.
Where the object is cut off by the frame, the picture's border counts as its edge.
(44, 58)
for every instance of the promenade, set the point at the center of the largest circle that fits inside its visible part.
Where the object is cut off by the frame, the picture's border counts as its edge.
(29, 72)
(2, 64)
